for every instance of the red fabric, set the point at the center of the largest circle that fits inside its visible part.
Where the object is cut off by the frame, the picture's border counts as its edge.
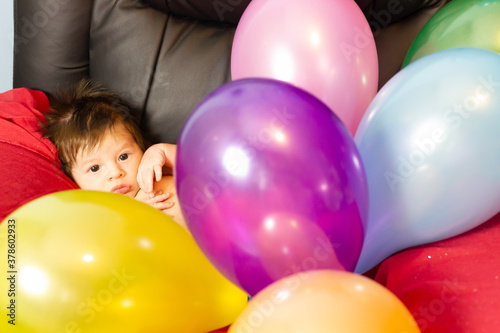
(451, 285)
(29, 166)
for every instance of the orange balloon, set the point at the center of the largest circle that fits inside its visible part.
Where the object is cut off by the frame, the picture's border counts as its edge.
(325, 301)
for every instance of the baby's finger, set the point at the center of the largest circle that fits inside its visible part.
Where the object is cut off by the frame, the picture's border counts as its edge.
(164, 205)
(141, 177)
(147, 181)
(158, 174)
(159, 197)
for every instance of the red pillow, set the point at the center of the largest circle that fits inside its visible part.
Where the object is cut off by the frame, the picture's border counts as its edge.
(452, 285)
(29, 166)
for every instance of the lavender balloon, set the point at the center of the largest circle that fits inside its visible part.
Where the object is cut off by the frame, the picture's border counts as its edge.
(270, 183)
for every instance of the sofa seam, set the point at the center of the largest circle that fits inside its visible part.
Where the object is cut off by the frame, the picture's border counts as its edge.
(155, 65)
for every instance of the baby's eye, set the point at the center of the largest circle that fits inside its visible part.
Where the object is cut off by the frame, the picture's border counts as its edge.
(94, 168)
(123, 157)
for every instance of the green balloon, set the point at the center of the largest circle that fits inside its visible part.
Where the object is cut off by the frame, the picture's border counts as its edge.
(460, 23)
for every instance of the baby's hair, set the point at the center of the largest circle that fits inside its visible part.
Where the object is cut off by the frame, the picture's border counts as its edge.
(80, 117)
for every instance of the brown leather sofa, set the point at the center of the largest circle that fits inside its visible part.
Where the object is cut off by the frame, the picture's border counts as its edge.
(164, 56)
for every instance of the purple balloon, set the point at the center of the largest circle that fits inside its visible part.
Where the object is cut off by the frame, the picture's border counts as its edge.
(270, 183)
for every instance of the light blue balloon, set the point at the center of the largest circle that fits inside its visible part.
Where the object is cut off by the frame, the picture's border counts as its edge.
(430, 143)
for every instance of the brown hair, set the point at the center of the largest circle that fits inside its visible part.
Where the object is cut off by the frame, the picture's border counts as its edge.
(80, 117)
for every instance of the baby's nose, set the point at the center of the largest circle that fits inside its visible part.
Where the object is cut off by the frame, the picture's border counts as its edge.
(115, 171)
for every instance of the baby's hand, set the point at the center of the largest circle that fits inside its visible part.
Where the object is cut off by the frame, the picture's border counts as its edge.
(159, 200)
(150, 168)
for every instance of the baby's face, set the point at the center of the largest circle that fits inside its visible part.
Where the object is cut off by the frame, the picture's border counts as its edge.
(111, 166)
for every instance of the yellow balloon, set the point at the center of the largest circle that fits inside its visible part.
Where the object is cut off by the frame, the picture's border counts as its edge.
(325, 301)
(84, 261)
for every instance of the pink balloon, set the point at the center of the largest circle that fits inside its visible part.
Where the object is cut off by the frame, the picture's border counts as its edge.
(323, 46)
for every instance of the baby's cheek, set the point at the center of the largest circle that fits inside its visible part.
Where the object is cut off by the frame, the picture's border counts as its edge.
(82, 183)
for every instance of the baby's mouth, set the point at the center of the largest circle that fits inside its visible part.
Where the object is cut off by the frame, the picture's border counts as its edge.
(121, 189)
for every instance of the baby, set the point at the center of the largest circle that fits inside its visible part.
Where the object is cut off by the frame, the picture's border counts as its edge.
(101, 148)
